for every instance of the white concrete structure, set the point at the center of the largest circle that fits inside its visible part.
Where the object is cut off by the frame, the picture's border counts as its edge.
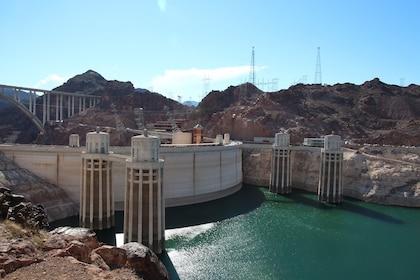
(193, 173)
(200, 173)
(182, 138)
(74, 140)
(330, 187)
(96, 192)
(281, 174)
(226, 139)
(144, 211)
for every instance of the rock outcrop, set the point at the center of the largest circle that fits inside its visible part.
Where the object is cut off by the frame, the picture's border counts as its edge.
(373, 112)
(17, 209)
(82, 244)
(79, 245)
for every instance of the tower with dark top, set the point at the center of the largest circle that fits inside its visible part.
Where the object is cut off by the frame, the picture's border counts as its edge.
(281, 175)
(330, 187)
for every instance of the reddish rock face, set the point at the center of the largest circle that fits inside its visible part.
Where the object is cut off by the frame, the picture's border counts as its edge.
(113, 256)
(373, 112)
(17, 254)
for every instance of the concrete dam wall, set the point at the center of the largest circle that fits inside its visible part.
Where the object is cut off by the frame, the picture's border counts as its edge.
(192, 173)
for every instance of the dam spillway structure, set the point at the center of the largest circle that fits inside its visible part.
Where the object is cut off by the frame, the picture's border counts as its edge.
(96, 192)
(144, 209)
(281, 174)
(330, 186)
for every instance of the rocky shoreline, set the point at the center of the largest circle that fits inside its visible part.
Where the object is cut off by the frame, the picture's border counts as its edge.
(383, 175)
(24, 242)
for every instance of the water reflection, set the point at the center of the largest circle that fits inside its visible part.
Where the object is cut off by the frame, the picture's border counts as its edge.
(349, 204)
(241, 202)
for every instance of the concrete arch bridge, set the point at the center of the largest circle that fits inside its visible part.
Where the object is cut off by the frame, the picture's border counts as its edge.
(50, 104)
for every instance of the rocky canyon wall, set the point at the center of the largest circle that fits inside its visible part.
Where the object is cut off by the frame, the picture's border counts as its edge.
(366, 177)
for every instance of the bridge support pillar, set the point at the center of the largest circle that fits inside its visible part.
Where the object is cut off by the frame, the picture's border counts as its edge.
(330, 186)
(96, 194)
(281, 174)
(44, 108)
(72, 105)
(144, 210)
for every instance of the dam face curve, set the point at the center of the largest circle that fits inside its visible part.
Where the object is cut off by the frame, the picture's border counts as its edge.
(192, 173)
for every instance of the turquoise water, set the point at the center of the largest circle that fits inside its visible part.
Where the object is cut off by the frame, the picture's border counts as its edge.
(255, 234)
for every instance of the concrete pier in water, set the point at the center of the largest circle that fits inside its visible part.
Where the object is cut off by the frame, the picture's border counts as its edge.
(144, 211)
(96, 192)
(330, 188)
(281, 177)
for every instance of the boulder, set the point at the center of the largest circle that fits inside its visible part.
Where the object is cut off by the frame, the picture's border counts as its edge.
(16, 254)
(17, 208)
(64, 235)
(76, 249)
(97, 260)
(144, 261)
(113, 256)
(28, 214)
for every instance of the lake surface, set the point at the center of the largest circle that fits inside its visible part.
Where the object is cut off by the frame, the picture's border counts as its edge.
(255, 234)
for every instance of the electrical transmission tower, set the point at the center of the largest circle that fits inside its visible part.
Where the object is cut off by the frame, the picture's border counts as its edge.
(252, 70)
(206, 83)
(318, 77)
(171, 120)
(138, 114)
(118, 121)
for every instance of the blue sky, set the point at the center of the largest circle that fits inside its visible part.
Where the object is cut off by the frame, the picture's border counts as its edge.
(172, 46)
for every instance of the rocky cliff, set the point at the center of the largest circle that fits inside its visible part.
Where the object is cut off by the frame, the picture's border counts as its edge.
(373, 112)
(374, 174)
(56, 202)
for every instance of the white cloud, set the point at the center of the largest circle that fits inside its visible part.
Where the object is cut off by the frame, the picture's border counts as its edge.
(181, 79)
(51, 81)
(162, 5)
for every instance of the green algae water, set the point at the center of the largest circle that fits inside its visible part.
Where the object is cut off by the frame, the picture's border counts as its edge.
(255, 234)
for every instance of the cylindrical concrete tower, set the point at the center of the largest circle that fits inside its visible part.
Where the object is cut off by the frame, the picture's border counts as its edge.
(144, 210)
(96, 194)
(330, 187)
(281, 174)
